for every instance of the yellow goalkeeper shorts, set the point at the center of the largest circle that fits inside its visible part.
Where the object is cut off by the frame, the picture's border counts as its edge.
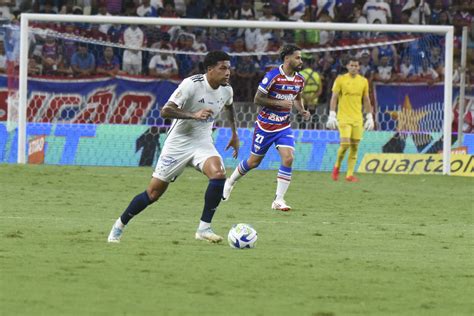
(352, 131)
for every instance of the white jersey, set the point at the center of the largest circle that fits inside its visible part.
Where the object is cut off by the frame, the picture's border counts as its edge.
(375, 10)
(190, 142)
(161, 65)
(192, 95)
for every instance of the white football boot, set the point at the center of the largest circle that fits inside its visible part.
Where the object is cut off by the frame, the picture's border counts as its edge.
(227, 190)
(208, 234)
(280, 205)
(115, 234)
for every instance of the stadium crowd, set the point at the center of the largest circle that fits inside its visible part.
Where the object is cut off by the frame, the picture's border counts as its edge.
(418, 60)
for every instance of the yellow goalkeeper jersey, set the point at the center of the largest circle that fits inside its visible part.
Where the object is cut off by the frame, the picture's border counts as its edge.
(351, 90)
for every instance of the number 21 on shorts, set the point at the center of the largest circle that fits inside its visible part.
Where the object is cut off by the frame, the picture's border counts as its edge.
(258, 140)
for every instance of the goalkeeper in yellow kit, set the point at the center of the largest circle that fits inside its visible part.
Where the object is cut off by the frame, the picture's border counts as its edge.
(348, 93)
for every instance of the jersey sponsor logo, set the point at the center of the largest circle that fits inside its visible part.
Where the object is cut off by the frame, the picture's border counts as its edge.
(289, 87)
(281, 96)
(278, 118)
(265, 80)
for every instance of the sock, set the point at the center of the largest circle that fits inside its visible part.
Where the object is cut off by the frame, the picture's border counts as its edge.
(240, 171)
(212, 198)
(341, 152)
(283, 182)
(203, 225)
(351, 160)
(119, 223)
(138, 204)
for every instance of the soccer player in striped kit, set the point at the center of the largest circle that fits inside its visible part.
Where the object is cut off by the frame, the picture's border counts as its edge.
(278, 92)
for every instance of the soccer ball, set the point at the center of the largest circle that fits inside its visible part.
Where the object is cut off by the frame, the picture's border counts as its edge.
(242, 236)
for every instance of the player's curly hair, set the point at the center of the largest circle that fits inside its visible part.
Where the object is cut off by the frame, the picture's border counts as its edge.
(352, 58)
(212, 58)
(288, 50)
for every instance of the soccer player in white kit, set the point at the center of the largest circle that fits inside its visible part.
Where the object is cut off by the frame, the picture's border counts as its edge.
(194, 105)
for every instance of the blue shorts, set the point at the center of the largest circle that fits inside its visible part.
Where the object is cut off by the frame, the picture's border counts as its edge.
(262, 140)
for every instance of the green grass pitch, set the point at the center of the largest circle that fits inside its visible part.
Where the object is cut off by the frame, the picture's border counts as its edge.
(389, 245)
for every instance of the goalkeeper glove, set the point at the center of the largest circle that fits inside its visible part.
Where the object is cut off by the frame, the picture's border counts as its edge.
(369, 122)
(332, 120)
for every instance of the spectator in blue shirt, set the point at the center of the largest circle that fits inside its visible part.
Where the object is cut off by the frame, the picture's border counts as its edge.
(83, 62)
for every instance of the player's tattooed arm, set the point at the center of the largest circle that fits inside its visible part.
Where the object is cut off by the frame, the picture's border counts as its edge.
(263, 100)
(298, 104)
(234, 140)
(172, 111)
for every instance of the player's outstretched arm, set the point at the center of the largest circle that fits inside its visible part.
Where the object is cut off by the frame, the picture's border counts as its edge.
(263, 100)
(172, 111)
(234, 140)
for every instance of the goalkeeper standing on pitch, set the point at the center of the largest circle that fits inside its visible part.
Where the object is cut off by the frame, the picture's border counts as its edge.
(348, 93)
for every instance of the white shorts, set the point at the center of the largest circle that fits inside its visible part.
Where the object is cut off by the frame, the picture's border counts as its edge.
(172, 161)
(132, 63)
(132, 58)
